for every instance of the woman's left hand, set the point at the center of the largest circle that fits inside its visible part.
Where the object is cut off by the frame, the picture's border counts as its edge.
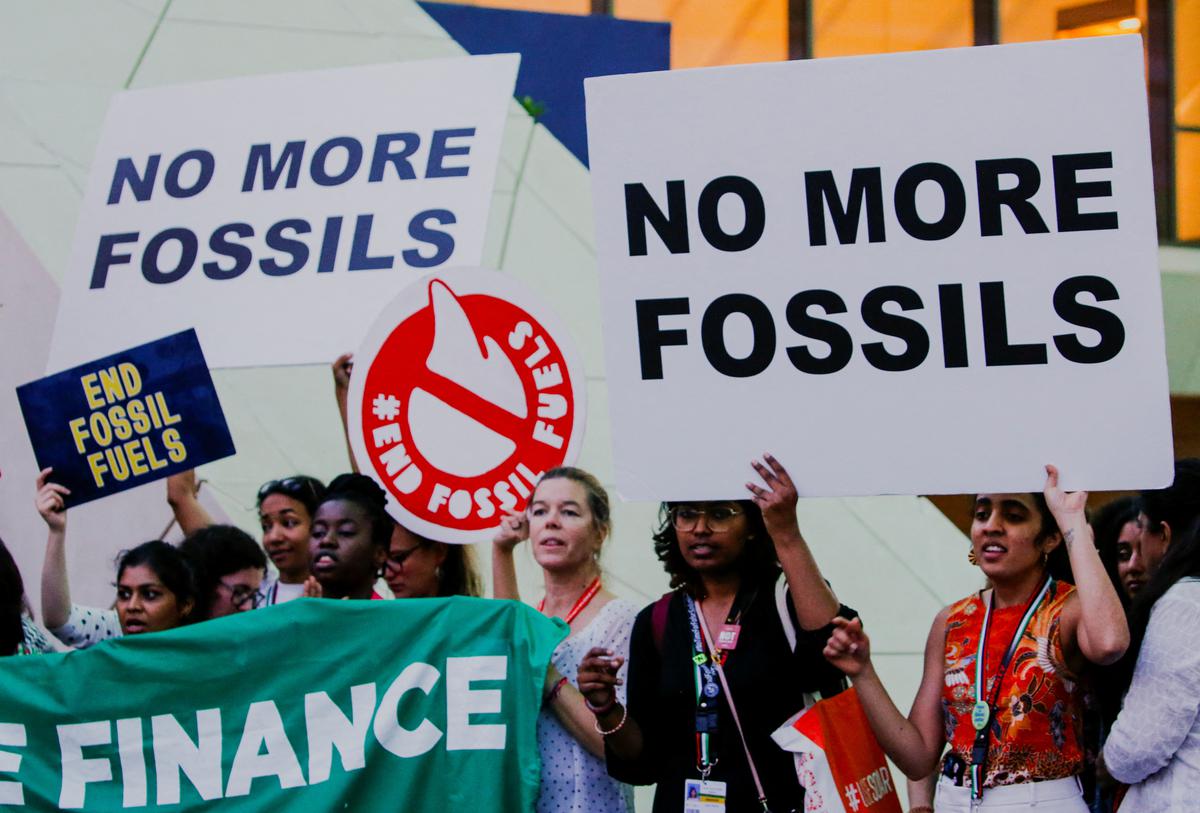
(1063, 505)
(777, 500)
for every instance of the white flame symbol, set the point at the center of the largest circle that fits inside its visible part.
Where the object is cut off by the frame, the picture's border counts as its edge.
(451, 440)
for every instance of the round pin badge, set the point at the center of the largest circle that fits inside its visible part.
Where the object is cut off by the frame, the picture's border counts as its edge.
(981, 714)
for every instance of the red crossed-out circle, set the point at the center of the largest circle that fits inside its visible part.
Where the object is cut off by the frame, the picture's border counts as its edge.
(399, 368)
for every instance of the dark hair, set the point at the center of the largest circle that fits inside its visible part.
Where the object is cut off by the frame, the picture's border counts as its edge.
(215, 552)
(758, 564)
(1058, 563)
(168, 564)
(12, 603)
(364, 492)
(460, 575)
(1107, 525)
(306, 490)
(1178, 504)
(597, 497)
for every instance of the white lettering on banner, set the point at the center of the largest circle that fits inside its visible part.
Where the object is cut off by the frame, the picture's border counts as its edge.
(264, 727)
(12, 735)
(461, 734)
(133, 762)
(265, 747)
(174, 752)
(394, 737)
(77, 770)
(328, 728)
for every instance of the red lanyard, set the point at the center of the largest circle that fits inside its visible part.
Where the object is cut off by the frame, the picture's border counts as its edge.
(577, 608)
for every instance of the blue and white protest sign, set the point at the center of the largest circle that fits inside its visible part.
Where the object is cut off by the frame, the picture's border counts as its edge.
(127, 419)
(913, 273)
(275, 213)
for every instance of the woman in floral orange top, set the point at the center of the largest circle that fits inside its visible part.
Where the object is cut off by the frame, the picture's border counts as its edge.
(1000, 686)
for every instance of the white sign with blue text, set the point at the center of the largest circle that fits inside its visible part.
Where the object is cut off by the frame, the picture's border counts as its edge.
(916, 273)
(275, 213)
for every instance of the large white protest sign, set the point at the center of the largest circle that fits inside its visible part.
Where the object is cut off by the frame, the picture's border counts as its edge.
(275, 213)
(465, 391)
(916, 273)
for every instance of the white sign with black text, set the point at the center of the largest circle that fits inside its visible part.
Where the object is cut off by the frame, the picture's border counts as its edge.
(275, 213)
(917, 273)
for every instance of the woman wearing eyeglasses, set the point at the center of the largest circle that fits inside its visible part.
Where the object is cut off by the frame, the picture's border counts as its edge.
(567, 521)
(216, 571)
(725, 559)
(416, 567)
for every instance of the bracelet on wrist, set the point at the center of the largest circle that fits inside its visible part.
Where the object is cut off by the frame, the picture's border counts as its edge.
(602, 709)
(618, 727)
(553, 693)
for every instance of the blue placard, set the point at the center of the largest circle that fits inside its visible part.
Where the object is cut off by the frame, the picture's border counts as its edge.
(126, 419)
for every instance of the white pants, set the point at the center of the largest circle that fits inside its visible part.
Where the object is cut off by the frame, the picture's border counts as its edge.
(1054, 796)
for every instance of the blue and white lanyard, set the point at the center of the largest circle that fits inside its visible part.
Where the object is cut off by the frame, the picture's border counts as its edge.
(708, 690)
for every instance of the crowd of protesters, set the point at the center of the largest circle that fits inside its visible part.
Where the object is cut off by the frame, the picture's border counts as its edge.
(1070, 681)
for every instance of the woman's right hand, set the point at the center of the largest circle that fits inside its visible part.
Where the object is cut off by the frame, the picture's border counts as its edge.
(513, 530)
(50, 503)
(849, 648)
(597, 676)
(343, 366)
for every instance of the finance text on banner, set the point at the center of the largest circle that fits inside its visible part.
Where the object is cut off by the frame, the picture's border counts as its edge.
(913, 273)
(415, 705)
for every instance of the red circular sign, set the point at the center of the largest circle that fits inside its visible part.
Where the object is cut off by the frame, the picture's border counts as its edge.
(466, 400)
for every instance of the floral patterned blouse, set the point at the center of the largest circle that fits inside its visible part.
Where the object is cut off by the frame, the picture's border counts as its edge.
(1036, 729)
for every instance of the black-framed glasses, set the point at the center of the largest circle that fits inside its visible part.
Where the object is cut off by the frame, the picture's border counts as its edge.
(306, 489)
(240, 595)
(396, 559)
(718, 517)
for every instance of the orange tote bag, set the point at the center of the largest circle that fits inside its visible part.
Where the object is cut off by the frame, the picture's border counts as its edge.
(838, 760)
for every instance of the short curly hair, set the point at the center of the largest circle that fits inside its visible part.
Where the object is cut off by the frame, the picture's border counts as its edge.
(757, 565)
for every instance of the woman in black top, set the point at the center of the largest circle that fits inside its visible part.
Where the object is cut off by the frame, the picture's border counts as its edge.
(724, 559)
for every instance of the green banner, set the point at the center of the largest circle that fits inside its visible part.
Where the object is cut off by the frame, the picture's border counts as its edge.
(314, 705)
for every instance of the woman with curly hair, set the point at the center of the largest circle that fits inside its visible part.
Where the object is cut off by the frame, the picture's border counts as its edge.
(680, 724)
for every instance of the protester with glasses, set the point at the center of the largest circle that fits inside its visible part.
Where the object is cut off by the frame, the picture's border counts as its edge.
(229, 568)
(216, 571)
(285, 512)
(1002, 675)
(417, 567)
(567, 520)
(725, 559)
